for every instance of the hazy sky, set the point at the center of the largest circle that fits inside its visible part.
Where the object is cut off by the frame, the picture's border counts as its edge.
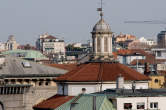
(73, 20)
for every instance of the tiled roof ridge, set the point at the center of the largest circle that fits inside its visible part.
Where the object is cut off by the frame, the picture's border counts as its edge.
(100, 78)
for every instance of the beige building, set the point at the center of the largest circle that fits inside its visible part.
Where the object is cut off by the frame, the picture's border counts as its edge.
(24, 83)
(125, 37)
(11, 43)
(49, 44)
(157, 81)
(2, 46)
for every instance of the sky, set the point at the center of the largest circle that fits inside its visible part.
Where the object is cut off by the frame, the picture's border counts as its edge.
(73, 20)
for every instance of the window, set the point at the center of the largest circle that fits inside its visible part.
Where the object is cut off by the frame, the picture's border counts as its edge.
(127, 105)
(141, 105)
(154, 105)
(158, 53)
(40, 83)
(47, 83)
(156, 80)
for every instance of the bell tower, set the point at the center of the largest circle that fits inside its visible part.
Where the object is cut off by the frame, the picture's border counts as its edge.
(101, 38)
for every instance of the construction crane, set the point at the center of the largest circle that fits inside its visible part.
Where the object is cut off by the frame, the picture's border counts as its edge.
(147, 22)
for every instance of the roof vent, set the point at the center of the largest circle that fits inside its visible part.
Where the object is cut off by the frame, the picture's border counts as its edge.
(133, 86)
(120, 82)
(26, 64)
(83, 90)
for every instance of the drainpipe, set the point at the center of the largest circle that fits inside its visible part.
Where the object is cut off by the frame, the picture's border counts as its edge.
(147, 103)
(94, 102)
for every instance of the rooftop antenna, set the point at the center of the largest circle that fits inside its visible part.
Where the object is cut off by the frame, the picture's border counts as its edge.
(101, 9)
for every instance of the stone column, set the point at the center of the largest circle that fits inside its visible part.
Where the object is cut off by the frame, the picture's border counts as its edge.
(102, 45)
(95, 44)
(109, 45)
(3, 92)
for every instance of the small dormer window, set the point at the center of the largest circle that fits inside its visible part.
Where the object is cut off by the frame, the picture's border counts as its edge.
(26, 64)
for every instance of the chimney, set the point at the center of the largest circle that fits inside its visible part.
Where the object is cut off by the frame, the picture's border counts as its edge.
(120, 82)
(133, 86)
(94, 102)
(83, 90)
(147, 69)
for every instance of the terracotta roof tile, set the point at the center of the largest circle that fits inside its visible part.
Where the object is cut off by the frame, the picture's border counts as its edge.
(150, 61)
(162, 72)
(101, 71)
(133, 52)
(53, 102)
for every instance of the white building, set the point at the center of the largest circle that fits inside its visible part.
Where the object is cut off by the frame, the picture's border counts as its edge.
(160, 53)
(127, 56)
(79, 45)
(161, 67)
(2, 46)
(142, 99)
(49, 44)
(149, 42)
(11, 43)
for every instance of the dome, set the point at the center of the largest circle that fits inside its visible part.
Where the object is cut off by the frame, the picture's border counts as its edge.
(101, 26)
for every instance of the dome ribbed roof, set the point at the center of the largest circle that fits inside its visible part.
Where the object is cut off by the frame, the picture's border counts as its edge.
(101, 26)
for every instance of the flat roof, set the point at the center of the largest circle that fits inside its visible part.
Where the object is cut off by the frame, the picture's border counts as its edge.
(115, 93)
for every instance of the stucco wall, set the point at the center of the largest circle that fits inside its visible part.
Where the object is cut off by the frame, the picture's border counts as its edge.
(27, 100)
(74, 89)
(146, 100)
